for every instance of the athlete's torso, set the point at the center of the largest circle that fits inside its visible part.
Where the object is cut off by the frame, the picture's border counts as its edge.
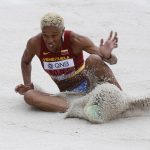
(64, 67)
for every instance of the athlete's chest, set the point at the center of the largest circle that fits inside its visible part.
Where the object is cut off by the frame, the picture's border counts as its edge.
(56, 61)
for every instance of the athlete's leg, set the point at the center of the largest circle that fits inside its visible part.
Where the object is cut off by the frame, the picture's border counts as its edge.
(45, 101)
(95, 66)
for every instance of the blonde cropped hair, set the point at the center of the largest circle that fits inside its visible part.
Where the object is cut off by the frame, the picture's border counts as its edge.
(52, 19)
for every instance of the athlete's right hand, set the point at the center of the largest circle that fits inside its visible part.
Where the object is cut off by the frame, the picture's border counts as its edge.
(21, 89)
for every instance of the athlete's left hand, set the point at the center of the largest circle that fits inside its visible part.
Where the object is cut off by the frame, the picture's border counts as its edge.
(107, 46)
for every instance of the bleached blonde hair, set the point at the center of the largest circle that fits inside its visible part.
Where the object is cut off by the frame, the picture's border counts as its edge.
(52, 19)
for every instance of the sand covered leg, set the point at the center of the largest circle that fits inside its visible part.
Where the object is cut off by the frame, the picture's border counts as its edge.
(104, 103)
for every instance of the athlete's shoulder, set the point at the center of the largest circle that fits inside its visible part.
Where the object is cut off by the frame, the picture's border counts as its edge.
(74, 37)
(34, 44)
(35, 40)
(78, 40)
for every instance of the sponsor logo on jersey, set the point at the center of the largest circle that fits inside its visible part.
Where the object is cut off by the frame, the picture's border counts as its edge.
(68, 63)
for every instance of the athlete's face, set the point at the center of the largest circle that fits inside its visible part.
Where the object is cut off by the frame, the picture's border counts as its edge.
(52, 37)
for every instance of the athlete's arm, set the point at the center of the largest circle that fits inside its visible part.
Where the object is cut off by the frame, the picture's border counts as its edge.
(104, 51)
(28, 54)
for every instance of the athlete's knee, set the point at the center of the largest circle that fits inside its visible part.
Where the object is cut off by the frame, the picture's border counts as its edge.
(94, 59)
(29, 97)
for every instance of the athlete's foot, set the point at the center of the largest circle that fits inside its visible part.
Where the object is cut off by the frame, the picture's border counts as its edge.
(93, 113)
